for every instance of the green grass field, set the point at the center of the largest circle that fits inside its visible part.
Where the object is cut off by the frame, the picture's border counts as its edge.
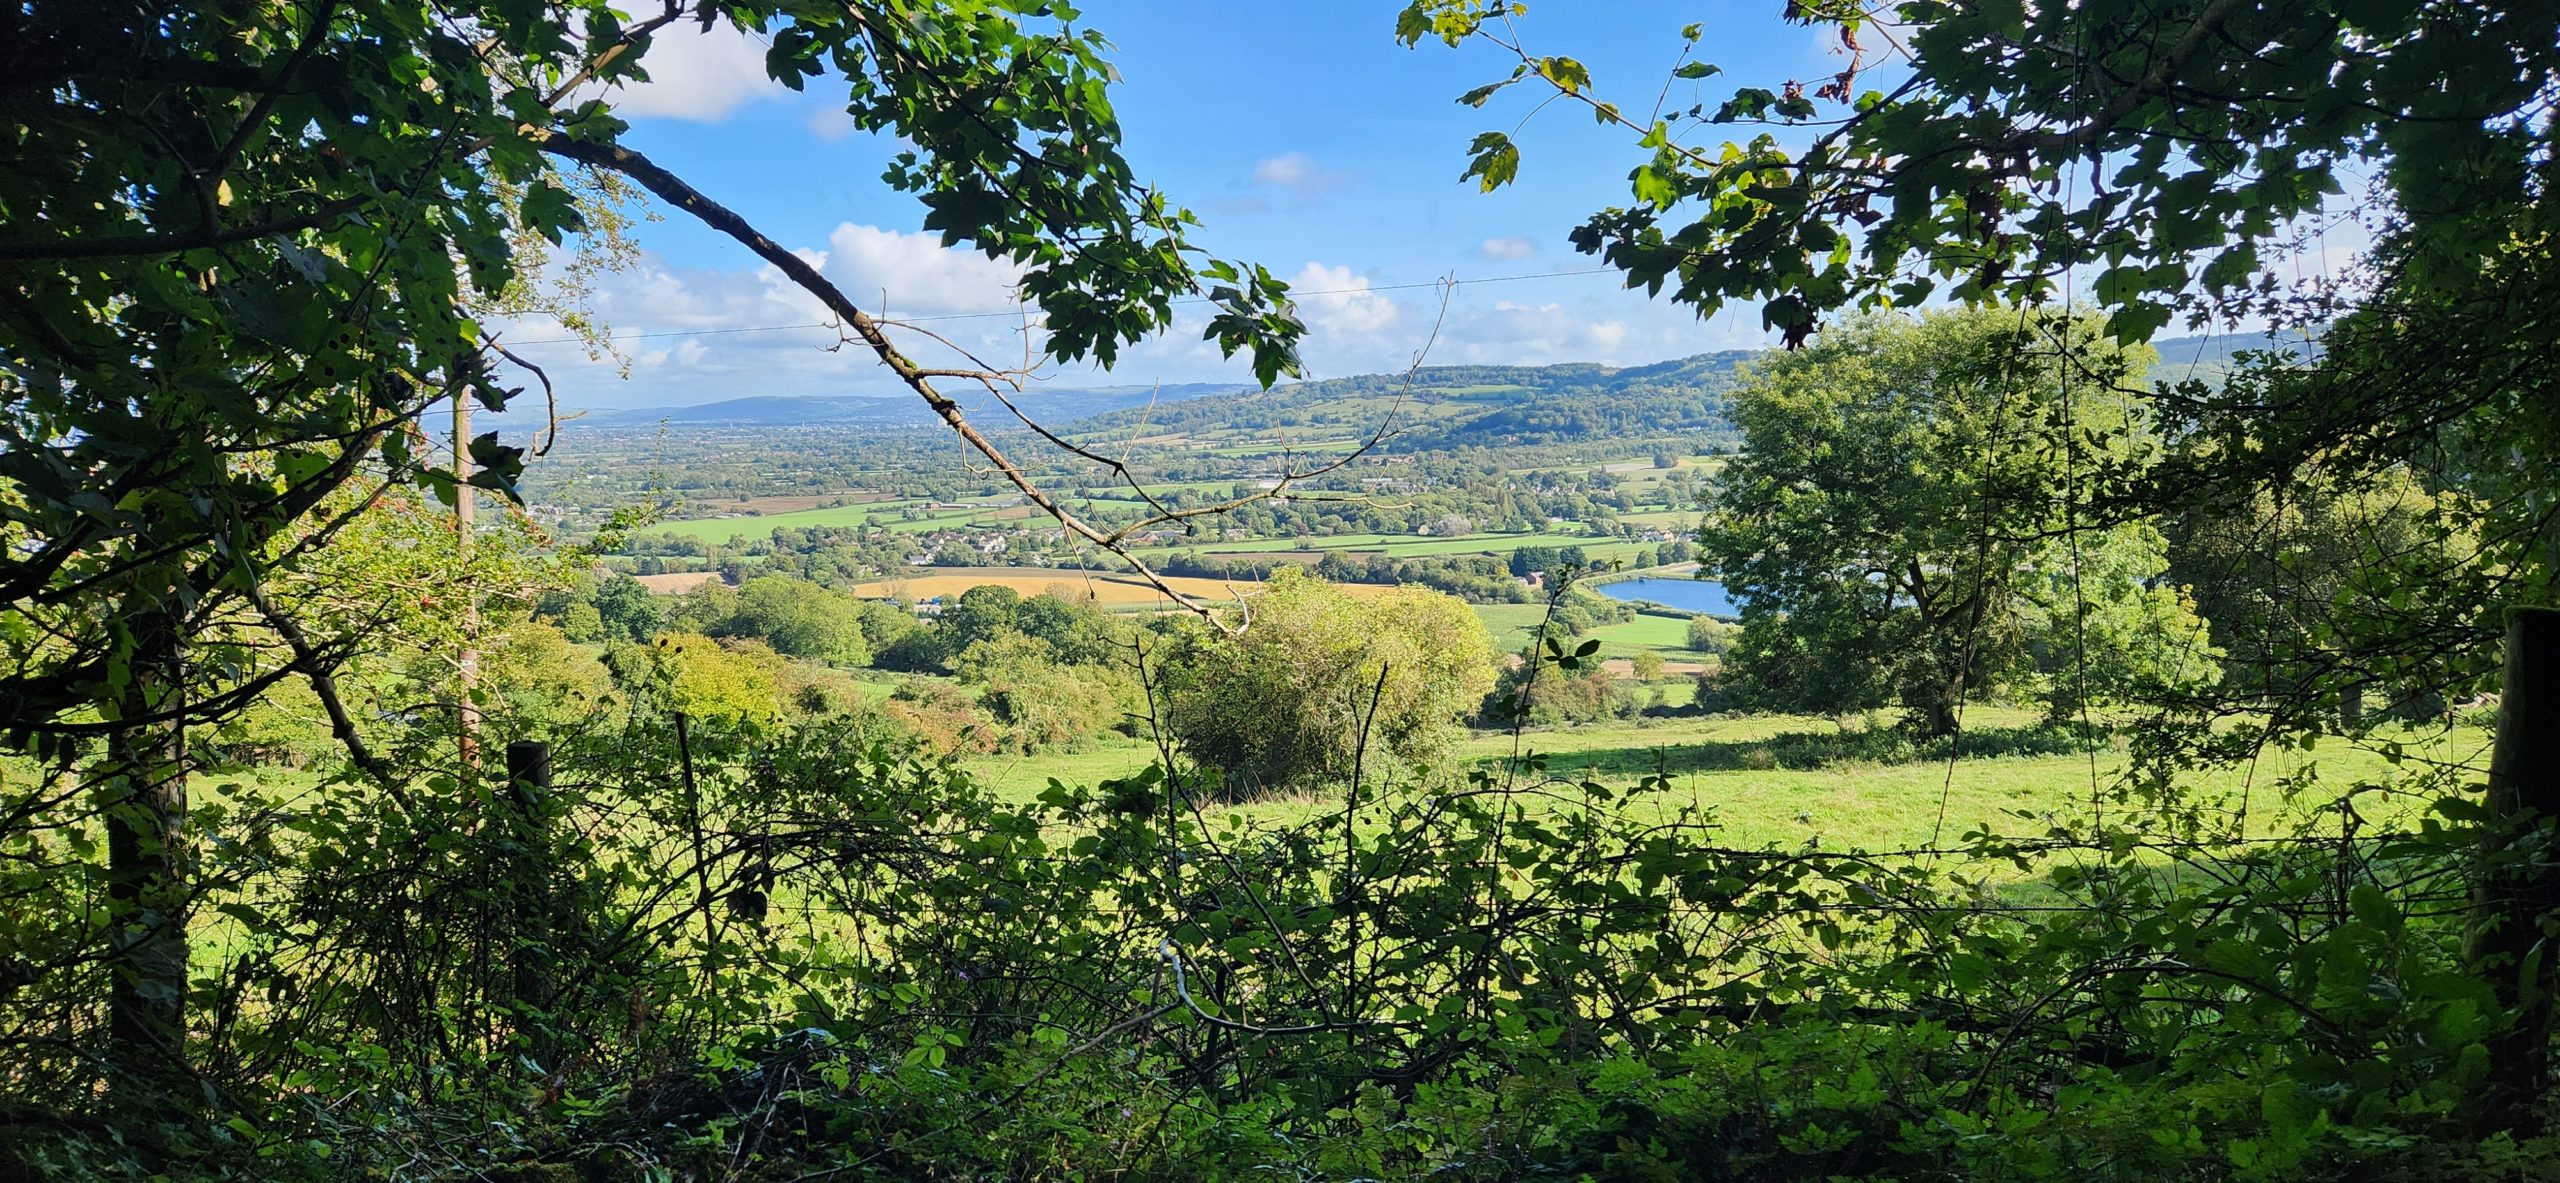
(733, 529)
(1511, 624)
(1732, 765)
(1666, 635)
(1408, 546)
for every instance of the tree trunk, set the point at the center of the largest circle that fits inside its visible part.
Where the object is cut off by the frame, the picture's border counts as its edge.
(1940, 703)
(2516, 895)
(467, 671)
(145, 783)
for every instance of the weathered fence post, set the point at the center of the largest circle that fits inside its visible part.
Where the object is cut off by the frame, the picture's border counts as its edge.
(528, 878)
(2516, 894)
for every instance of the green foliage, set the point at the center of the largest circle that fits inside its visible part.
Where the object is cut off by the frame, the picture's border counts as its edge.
(1043, 700)
(1710, 636)
(593, 610)
(943, 718)
(1639, 997)
(799, 619)
(544, 682)
(1903, 526)
(1552, 693)
(739, 681)
(1546, 561)
(978, 614)
(625, 610)
(1318, 673)
(1978, 173)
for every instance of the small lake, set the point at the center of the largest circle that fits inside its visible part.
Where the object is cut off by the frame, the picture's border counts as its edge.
(1688, 595)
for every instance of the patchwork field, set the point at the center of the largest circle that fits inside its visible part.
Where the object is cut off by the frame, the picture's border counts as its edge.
(1116, 589)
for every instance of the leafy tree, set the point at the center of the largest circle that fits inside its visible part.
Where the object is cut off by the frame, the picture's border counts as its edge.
(2172, 145)
(1289, 700)
(626, 609)
(799, 619)
(579, 621)
(1042, 700)
(708, 606)
(2289, 577)
(1076, 629)
(886, 624)
(735, 682)
(1710, 636)
(979, 614)
(544, 681)
(2158, 159)
(1901, 526)
(1537, 689)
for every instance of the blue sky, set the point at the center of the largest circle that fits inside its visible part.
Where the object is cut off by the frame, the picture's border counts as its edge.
(1304, 137)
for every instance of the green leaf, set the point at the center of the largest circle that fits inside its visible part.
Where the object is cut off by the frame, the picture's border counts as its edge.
(2374, 908)
(1567, 74)
(1494, 161)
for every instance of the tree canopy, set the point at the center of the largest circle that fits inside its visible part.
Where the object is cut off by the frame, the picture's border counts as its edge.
(2152, 160)
(1902, 527)
(1983, 151)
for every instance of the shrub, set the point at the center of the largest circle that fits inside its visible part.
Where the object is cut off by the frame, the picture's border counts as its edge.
(1288, 701)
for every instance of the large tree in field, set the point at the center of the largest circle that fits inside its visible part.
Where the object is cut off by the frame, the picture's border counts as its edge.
(244, 246)
(1900, 527)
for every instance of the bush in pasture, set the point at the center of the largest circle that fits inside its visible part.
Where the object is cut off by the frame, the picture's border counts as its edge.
(1287, 701)
(1711, 636)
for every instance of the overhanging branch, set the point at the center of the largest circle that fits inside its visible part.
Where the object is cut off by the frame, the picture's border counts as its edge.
(676, 191)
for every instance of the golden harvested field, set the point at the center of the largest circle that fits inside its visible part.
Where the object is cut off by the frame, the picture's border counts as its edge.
(677, 583)
(1114, 587)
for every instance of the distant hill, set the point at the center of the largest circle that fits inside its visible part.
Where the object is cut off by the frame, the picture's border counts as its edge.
(1443, 407)
(906, 410)
(1491, 406)
(2210, 357)
(1459, 406)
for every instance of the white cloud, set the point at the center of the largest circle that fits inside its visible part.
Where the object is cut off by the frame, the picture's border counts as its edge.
(1336, 301)
(755, 323)
(698, 76)
(1354, 328)
(1298, 173)
(830, 124)
(1288, 171)
(914, 274)
(1508, 246)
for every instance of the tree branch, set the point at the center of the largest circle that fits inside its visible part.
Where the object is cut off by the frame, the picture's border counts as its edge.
(676, 191)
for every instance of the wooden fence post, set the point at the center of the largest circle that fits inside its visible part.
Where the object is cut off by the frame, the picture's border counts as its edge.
(2516, 894)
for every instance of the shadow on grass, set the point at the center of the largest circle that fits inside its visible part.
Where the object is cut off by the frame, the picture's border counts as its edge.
(1804, 751)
